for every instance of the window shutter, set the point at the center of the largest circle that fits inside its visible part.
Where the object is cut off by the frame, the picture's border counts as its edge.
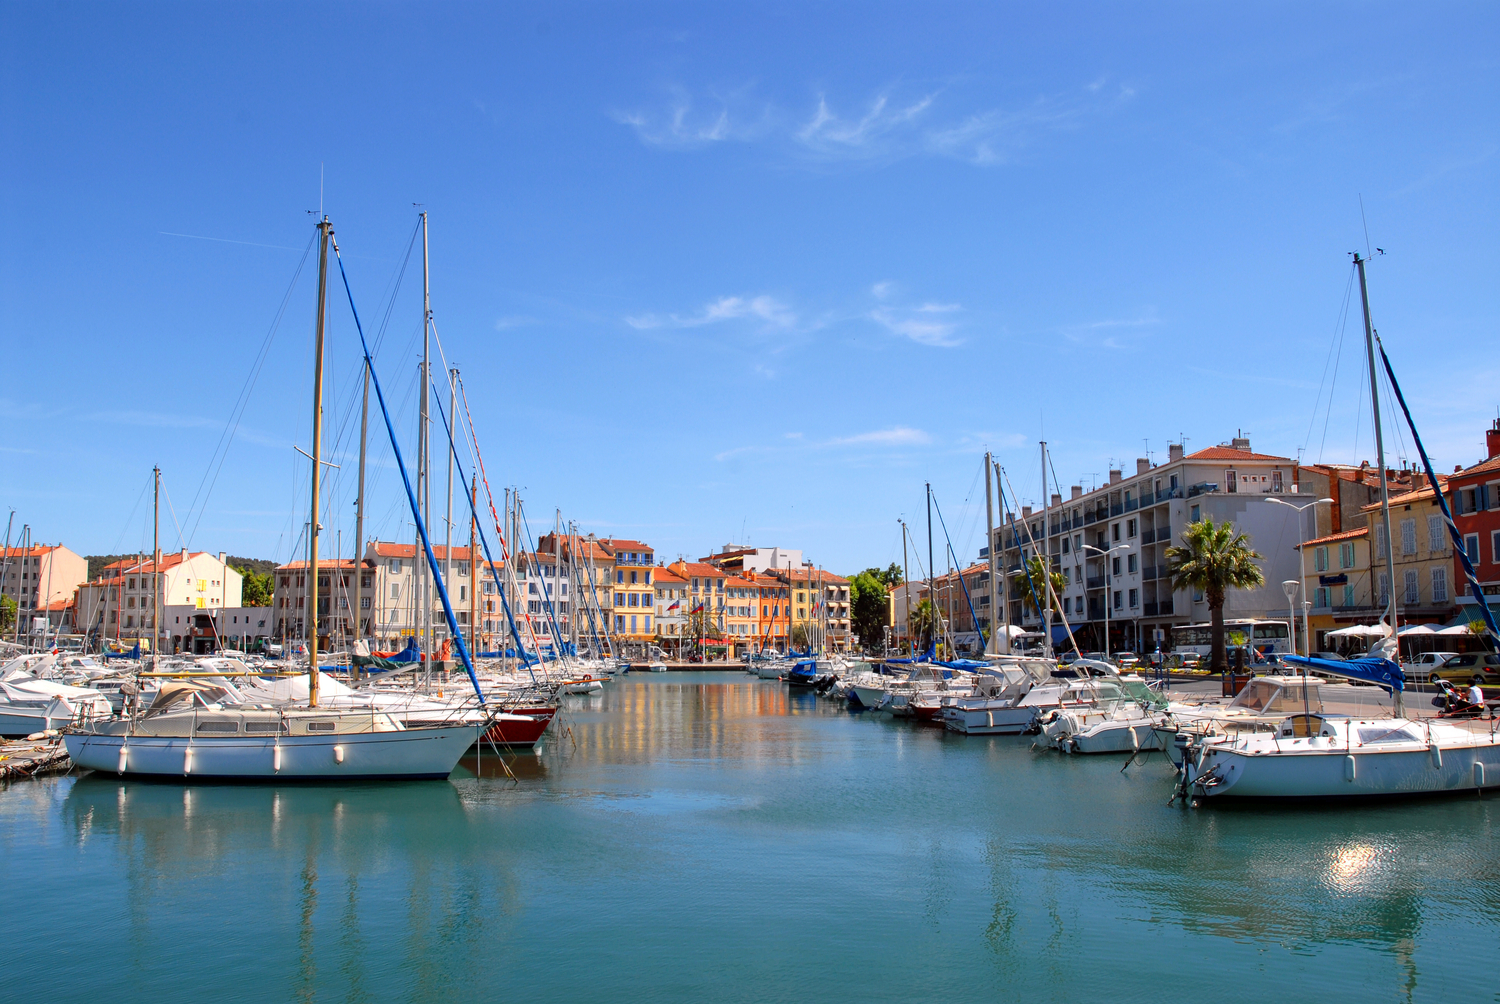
(1482, 498)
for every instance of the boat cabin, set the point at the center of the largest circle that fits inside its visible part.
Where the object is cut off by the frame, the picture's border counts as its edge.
(1271, 695)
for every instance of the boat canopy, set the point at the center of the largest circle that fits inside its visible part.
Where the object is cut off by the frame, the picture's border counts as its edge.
(1372, 669)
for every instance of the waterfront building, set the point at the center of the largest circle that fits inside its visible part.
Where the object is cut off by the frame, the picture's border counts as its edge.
(39, 576)
(1474, 498)
(773, 625)
(590, 568)
(705, 598)
(1110, 543)
(740, 620)
(963, 600)
(819, 601)
(1336, 574)
(336, 617)
(634, 596)
(187, 628)
(671, 606)
(120, 603)
(735, 558)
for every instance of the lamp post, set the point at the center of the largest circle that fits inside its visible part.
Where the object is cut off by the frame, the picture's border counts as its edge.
(1108, 598)
(1290, 587)
(1306, 633)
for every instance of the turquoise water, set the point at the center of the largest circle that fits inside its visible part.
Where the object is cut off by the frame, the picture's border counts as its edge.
(707, 837)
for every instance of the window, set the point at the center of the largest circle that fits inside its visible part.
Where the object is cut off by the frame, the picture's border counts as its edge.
(1132, 565)
(1115, 569)
(1413, 596)
(1117, 600)
(1114, 531)
(619, 622)
(620, 577)
(1385, 589)
(1380, 541)
(1195, 515)
(395, 590)
(1348, 596)
(1065, 545)
(364, 603)
(1440, 585)
(1320, 597)
(1135, 598)
(1471, 547)
(1320, 559)
(635, 578)
(396, 565)
(648, 623)
(1437, 534)
(1408, 536)
(1495, 546)
(1231, 481)
(1276, 482)
(1346, 555)
(619, 599)
(1067, 605)
(648, 578)
(1130, 528)
(632, 624)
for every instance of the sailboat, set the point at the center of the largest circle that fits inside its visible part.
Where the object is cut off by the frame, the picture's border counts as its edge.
(1317, 755)
(194, 729)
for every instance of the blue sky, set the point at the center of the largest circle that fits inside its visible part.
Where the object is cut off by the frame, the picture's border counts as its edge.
(730, 272)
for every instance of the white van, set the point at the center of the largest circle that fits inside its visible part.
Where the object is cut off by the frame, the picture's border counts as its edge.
(1419, 670)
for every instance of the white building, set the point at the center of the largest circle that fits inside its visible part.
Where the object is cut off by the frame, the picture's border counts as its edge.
(120, 603)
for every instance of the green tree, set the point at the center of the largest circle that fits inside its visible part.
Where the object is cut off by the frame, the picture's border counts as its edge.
(1031, 584)
(801, 638)
(892, 575)
(869, 605)
(923, 622)
(7, 613)
(1213, 558)
(257, 589)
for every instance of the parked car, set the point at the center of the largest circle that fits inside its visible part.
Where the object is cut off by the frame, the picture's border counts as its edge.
(1127, 660)
(1460, 669)
(1419, 669)
(1330, 656)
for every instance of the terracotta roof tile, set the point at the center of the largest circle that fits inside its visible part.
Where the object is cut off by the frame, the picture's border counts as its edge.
(1230, 453)
(1346, 535)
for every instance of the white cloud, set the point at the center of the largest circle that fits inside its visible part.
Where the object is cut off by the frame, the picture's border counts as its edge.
(885, 126)
(918, 325)
(769, 311)
(506, 323)
(899, 436)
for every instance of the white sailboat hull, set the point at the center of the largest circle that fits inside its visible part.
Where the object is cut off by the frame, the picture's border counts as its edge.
(988, 718)
(1339, 771)
(410, 754)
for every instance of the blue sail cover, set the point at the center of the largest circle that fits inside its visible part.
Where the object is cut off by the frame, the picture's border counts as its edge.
(1382, 672)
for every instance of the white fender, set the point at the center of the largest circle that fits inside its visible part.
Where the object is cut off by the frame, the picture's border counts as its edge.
(187, 760)
(1479, 773)
(1350, 770)
(124, 753)
(338, 754)
(1437, 755)
(276, 758)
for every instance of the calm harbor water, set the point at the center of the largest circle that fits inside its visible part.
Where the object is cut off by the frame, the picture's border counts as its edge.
(707, 836)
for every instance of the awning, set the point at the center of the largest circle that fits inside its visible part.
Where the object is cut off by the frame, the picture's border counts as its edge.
(1059, 633)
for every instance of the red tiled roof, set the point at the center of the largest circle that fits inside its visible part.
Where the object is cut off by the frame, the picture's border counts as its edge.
(666, 575)
(145, 565)
(698, 568)
(1346, 535)
(330, 563)
(1483, 467)
(1408, 498)
(1230, 453)
(34, 551)
(387, 549)
(619, 544)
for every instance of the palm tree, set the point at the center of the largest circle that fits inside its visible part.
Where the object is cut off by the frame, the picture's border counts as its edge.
(923, 622)
(1031, 584)
(1213, 559)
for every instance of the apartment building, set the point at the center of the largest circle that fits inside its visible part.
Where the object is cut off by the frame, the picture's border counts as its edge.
(634, 596)
(203, 631)
(773, 626)
(39, 576)
(1474, 497)
(337, 620)
(120, 603)
(671, 606)
(705, 606)
(1110, 543)
(741, 617)
(819, 601)
(736, 558)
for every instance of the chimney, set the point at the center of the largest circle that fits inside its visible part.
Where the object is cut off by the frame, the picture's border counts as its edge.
(1142, 465)
(1174, 452)
(1077, 492)
(1114, 477)
(1026, 512)
(184, 552)
(1492, 440)
(1418, 481)
(1240, 441)
(222, 559)
(1056, 500)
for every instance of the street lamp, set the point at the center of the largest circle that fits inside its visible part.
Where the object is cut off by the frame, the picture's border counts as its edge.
(1306, 631)
(1290, 587)
(1108, 598)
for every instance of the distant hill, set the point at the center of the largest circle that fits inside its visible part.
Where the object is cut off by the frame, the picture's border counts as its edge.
(97, 562)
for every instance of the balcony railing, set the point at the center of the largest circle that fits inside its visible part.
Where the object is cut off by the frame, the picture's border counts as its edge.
(1202, 489)
(1131, 505)
(1164, 533)
(1169, 493)
(1160, 609)
(1095, 582)
(1116, 509)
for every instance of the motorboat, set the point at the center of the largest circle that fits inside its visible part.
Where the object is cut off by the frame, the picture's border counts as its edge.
(1126, 724)
(1009, 696)
(656, 666)
(29, 706)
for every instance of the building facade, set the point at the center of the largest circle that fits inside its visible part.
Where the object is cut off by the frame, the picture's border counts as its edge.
(39, 576)
(1474, 498)
(120, 604)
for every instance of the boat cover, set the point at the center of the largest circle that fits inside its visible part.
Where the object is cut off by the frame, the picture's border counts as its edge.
(1382, 672)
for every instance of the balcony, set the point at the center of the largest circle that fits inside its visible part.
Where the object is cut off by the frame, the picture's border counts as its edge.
(1148, 537)
(1169, 493)
(1131, 505)
(1162, 609)
(1089, 517)
(1095, 582)
(1202, 489)
(1164, 533)
(1116, 509)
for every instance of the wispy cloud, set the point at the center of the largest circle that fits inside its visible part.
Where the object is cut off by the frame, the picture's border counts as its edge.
(927, 324)
(768, 311)
(515, 321)
(898, 436)
(1096, 333)
(890, 124)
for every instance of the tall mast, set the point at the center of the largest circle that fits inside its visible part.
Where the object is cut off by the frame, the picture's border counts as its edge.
(906, 585)
(474, 565)
(424, 488)
(317, 468)
(989, 540)
(1047, 561)
(1385, 486)
(452, 421)
(359, 522)
(156, 565)
(1004, 585)
(932, 571)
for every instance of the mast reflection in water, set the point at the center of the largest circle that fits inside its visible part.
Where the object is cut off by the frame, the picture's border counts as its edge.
(710, 836)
